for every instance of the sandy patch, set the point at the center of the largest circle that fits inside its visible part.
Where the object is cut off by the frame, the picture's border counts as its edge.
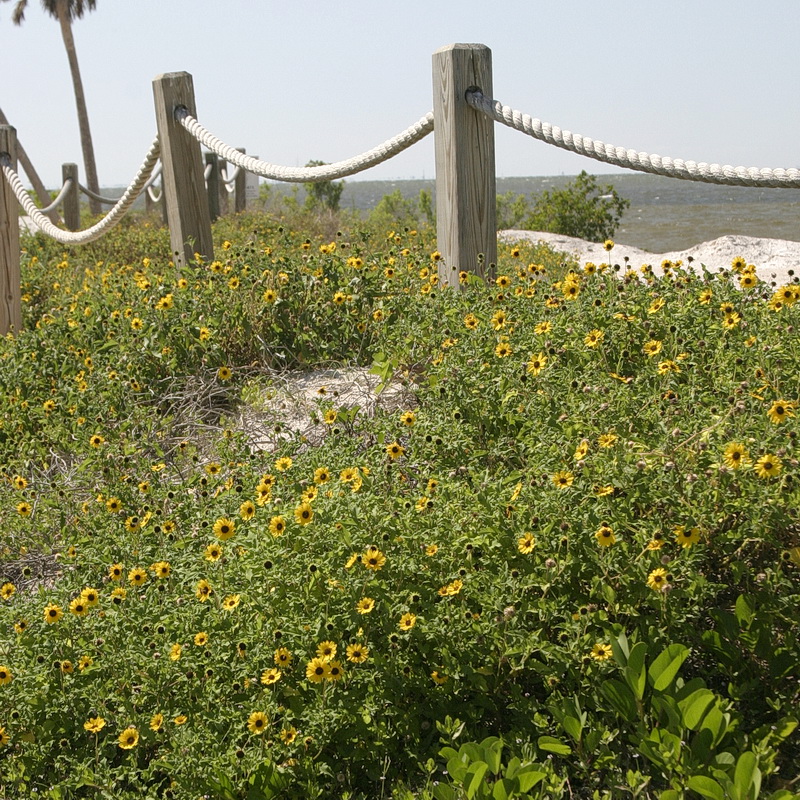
(774, 259)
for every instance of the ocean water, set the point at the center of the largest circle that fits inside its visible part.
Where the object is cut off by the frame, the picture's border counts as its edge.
(665, 214)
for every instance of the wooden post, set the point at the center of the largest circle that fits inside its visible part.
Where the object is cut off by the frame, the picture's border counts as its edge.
(252, 188)
(212, 185)
(223, 188)
(466, 226)
(184, 190)
(239, 199)
(72, 200)
(10, 293)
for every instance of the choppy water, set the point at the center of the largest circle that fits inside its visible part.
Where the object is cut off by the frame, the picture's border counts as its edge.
(665, 214)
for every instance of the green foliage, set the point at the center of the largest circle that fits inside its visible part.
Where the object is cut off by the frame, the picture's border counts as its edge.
(583, 209)
(325, 194)
(511, 647)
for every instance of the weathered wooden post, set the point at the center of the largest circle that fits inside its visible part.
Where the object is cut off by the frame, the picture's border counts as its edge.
(10, 293)
(239, 199)
(252, 188)
(184, 190)
(223, 187)
(212, 185)
(466, 226)
(72, 200)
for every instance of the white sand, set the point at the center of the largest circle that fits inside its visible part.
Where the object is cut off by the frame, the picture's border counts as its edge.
(773, 258)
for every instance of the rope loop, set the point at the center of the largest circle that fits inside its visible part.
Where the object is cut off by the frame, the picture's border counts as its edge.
(340, 169)
(97, 230)
(59, 197)
(631, 159)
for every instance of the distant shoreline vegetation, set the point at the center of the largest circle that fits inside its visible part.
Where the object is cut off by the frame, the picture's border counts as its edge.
(665, 214)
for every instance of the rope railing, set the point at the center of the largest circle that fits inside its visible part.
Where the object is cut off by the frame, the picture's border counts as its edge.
(631, 159)
(95, 231)
(340, 169)
(464, 115)
(58, 198)
(108, 201)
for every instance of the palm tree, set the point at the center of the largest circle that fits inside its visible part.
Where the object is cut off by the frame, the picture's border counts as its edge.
(65, 11)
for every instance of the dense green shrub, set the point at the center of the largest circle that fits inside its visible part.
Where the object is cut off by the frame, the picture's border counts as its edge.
(583, 209)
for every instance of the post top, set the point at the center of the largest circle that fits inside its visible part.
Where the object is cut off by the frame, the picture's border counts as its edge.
(461, 46)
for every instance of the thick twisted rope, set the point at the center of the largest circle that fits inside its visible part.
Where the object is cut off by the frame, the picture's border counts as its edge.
(96, 231)
(328, 172)
(59, 197)
(644, 162)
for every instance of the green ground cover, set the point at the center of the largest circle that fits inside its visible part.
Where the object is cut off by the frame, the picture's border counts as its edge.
(568, 567)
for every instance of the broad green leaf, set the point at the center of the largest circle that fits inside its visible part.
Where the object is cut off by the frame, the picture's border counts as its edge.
(621, 697)
(552, 745)
(620, 649)
(504, 789)
(492, 751)
(474, 778)
(745, 774)
(745, 610)
(572, 727)
(664, 669)
(694, 707)
(528, 777)
(444, 792)
(707, 787)
(634, 671)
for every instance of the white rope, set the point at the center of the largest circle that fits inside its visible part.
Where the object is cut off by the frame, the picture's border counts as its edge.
(328, 172)
(207, 171)
(644, 162)
(96, 231)
(154, 196)
(59, 197)
(154, 175)
(230, 181)
(109, 201)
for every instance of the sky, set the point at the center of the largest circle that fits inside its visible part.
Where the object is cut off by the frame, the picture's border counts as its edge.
(291, 81)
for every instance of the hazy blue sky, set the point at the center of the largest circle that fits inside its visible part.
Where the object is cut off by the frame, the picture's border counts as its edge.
(709, 80)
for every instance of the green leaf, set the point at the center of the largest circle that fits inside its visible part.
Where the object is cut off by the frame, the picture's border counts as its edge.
(474, 778)
(707, 787)
(573, 727)
(694, 707)
(746, 774)
(528, 777)
(444, 792)
(664, 669)
(620, 649)
(504, 789)
(634, 671)
(492, 751)
(552, 745)
(745, 610)
(621, 697)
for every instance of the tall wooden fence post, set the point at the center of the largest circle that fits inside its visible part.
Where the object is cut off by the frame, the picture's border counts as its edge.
(223, 187)
(466, 227)
(184, 189)
(212, 185)
(72, 200)
(239, 200)
(10, 292)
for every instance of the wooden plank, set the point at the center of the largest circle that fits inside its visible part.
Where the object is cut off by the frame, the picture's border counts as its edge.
(10, 293)
(239, 199)
(182, 175)
(466, 194)
(71, 203)
(212, 185)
